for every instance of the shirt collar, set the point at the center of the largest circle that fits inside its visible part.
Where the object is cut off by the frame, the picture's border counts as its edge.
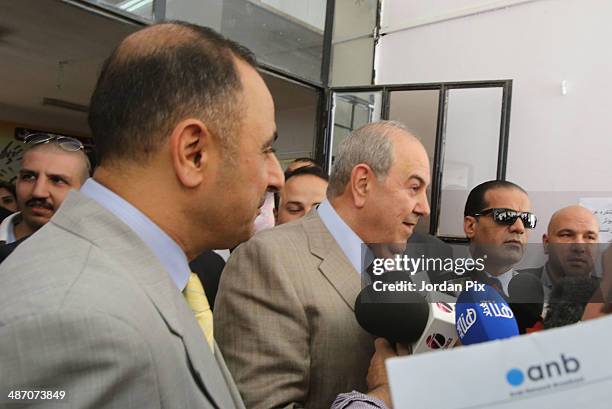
(7, 228)
(346, 238)
(169, 253)
(504, 278)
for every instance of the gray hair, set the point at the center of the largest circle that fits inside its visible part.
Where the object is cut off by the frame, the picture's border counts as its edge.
(369, 145)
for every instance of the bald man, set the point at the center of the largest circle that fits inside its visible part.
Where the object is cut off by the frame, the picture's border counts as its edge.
(571, 245)
(100, 305)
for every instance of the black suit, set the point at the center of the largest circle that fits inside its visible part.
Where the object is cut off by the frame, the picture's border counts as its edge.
(208, 266)
(428, 246)
(7, 249)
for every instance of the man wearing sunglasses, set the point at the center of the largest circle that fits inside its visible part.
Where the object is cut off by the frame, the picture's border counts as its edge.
(52, 165)
(497, 220)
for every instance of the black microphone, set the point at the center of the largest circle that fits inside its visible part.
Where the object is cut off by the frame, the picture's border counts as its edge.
(526, 298)
(405, 316)
(397, 316)
(568, 300)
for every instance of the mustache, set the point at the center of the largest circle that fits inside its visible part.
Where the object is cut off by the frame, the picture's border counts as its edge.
(39, 203)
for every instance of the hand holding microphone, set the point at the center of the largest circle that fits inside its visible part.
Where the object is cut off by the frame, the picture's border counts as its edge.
(378, 384)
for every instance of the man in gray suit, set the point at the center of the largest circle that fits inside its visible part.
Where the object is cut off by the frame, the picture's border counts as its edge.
(284, 312)
(571, 243)
(91, 305)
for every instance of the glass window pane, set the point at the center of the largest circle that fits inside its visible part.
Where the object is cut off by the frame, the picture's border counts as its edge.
(352, 50)
(284, 34)
(418, 110)
(340, 134)
(140, 8)
(350, 111)
(343, 115)
(296, 117)
(473, 117)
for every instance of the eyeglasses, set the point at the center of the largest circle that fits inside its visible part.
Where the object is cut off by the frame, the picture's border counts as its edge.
(508, 217)
(65, 142)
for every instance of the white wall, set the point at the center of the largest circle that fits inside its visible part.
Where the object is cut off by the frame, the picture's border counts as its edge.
(558, 143)
(537, 45)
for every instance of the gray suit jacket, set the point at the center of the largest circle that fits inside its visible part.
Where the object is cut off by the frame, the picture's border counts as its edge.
(284, 318)
(85, 307)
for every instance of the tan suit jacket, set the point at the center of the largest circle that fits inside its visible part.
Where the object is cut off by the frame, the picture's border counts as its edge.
(284, 318)
(85, 307)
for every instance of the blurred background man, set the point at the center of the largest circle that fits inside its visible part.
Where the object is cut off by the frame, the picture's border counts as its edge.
(52, 165)
(571, 243)
(300, 162)
(304, 189)
(7, 196)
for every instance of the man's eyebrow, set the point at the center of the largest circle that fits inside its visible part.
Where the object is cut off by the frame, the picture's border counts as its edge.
(272, 139)
(419, 178)
(61, 176)
(566, 231)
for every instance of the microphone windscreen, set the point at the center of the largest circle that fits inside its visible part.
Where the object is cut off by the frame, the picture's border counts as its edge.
(398, 316)
(526, 297)
(482, 316)
(568, 299)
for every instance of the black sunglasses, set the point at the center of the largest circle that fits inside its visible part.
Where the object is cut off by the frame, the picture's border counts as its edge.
(508, 217)
(65, 142)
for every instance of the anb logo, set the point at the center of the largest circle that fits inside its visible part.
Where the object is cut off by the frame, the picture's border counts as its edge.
(540, 372)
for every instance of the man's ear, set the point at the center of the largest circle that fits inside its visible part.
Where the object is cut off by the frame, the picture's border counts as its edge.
(545, 242)
(190, 146)
(469, 226)
(361, 184)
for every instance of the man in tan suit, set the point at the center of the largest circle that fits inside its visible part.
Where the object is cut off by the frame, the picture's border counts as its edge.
(284, 312)
(91, 306)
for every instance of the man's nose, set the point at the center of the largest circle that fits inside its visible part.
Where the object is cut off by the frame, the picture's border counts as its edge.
(422, 205)
(518, 226)
(579, 245)
(41, 188)
(276, 177)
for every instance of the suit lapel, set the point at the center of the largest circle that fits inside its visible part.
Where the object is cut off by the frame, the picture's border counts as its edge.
(179, 319)
(117, 240)
(335, 266)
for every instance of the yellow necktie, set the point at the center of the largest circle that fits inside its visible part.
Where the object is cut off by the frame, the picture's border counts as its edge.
(196, 298)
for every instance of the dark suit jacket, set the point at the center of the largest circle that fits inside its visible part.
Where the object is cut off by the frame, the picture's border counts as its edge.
(7, 249)
(208, 266)
(429, 246)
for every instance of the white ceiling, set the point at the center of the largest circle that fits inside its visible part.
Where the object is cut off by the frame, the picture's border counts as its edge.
(36, 38)
(52, 49)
